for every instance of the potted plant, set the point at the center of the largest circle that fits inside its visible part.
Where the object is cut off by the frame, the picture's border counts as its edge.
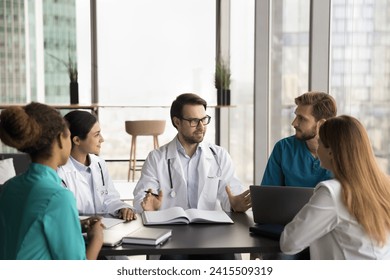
(222, 82)
(71, 66)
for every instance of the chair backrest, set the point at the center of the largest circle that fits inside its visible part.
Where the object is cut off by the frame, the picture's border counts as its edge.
(21, 161)
(145, 127)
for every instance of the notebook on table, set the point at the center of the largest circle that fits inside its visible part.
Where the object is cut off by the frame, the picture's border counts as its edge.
(111, 237)
(275, 206)
(106, 221)
(148, 236)
(116, 229)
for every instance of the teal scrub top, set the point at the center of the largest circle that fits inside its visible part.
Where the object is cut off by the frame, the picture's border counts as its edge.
(292, 164)
(39, 218)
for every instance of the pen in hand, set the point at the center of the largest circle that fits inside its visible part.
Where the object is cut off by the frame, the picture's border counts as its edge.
(87, 224)
(156, 195)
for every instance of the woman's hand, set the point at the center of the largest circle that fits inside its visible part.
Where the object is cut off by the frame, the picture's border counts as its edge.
(127, 214)
(87, 223)
(95, 238)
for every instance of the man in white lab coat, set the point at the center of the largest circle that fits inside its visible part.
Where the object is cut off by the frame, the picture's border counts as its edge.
(188, 172)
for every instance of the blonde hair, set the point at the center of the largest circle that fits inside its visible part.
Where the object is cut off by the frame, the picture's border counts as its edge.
(366, 188)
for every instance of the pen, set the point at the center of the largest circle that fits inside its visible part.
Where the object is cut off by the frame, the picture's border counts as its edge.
(156, 195)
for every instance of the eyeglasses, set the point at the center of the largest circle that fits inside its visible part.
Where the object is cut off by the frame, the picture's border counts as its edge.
(195, 122)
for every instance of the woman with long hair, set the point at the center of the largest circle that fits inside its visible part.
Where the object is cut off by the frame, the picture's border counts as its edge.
(348, 217)
(38, 216)
(86, 174)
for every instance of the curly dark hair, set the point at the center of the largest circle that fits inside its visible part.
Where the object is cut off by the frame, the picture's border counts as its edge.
(31, 129)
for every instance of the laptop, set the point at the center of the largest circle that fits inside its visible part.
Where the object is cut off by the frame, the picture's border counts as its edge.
(275, 206)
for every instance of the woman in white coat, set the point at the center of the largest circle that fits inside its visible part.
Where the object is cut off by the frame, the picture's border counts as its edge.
(347, 217)
(188, 172)
(86, 174)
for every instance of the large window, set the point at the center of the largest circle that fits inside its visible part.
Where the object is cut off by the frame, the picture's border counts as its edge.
(37, 41)
(149, 52)
(242, 65)
(281, 72)
(360, 67)
(290, 22)
(84, 50)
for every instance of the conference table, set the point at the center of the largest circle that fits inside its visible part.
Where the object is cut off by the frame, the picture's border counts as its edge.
(199, 239)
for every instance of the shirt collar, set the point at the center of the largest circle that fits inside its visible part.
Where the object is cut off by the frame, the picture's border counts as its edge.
(79, 166)
(181, 150)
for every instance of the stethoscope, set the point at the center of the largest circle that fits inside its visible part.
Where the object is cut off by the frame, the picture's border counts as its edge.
(102, 192)
(172, 192)
(101, 173)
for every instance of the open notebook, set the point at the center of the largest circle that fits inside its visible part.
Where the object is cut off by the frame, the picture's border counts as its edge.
(115, 229)
(114, 235)
(106, 221)
(275, 206)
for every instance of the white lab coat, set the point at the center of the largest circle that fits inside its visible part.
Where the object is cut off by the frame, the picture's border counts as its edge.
(215, 172)
(326, 225)
(106, 198)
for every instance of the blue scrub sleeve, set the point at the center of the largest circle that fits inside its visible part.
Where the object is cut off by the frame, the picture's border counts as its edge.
(62, 227)
(273, 174)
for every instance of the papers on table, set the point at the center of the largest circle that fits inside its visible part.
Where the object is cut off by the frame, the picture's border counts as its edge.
(107, 222)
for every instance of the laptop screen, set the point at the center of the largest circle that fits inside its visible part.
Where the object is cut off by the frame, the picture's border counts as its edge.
(277, 204)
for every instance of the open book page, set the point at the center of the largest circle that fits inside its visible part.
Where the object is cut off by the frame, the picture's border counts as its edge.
(174, 215)
(208, 216)
(177, 215)
(110, 222)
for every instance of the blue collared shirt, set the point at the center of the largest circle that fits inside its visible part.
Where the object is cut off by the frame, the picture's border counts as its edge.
(292, 164)
(190, 171)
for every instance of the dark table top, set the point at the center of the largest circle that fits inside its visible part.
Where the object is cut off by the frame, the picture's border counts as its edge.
(204, 239)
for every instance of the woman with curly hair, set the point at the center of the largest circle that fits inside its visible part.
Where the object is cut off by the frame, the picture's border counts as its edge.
(38, 216)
